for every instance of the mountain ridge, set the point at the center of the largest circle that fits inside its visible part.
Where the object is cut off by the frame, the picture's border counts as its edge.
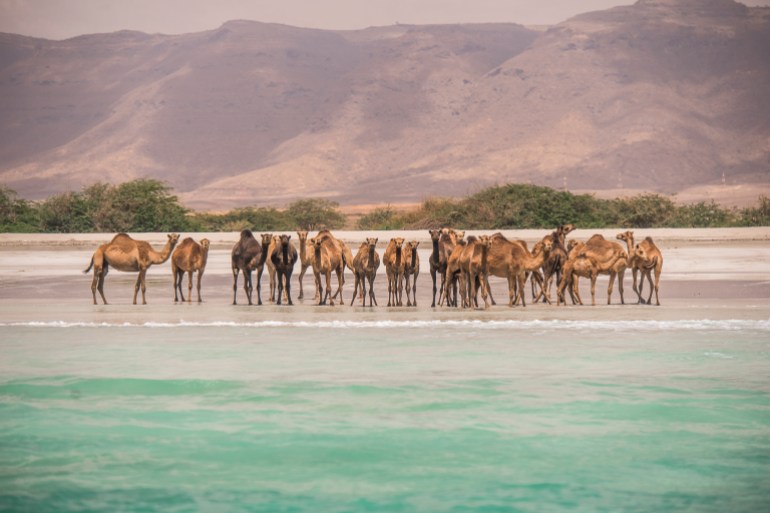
(663, 95)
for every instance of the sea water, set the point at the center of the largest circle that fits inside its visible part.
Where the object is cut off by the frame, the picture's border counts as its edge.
(613, 409)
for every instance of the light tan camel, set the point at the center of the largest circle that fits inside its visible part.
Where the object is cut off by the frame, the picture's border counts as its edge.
(394, 267)
(189, 257)
(411, 271)
(275, 242)
(650, 259)
(523, 262)
(306, 260)
(346, 259)
(501, 263)
(611, 258)
(327, 258)
(128, 255)
(365, 265)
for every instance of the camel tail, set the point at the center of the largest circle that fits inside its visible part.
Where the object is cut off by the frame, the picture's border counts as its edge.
(89, 266)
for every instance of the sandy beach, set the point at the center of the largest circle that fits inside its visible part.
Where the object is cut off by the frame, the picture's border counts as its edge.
(700, 265)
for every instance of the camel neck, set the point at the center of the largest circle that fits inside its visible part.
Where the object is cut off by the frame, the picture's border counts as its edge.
(285, 253)
(370, 263)
(435, 255)
(398, 257)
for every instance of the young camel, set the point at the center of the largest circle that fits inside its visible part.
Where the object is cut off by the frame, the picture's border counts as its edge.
(189, 257)
(326, 258)
(247, 256)
(650, 259)
(128, 255)
(411, 270)
(283, 258)
(394, 268)
(365, 266)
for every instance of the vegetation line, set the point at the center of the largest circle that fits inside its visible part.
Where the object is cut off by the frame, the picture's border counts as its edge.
(147, 205)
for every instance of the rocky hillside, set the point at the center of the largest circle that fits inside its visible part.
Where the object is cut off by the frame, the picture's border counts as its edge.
(663, 95)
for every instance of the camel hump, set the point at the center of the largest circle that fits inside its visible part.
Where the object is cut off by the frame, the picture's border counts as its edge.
(649, 239)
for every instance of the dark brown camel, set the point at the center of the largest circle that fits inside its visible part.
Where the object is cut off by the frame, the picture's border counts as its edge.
(248, 255)
(284, 257)
(365, 266)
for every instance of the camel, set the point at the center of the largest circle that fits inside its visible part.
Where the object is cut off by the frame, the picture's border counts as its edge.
(306, 260)
(346, 259)
(365, 266)
(128, 255)
(443, 241)
(454, 273)
(474, 264)
(394, 267)
(650, 259)
(283, 258)
(500, 262)
(552, 267)
(188, 257)
(653, 260)
(247, 256)
(411, 270)
(581, 265)
(523, 262)
(611, 258)
(327, 257)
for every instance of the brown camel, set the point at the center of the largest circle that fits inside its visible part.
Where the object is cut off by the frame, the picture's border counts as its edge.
(611, 258)
(650, 259)
(327, 258)
(552, 267)
(394, 267)
(247, 256)
(443, 241)
(189, 257)
(474, 265)
(500, 261)
(346, 259)
(411, 271)
(523, 262)
(365, 265)
(454, 274)
(581, 265)
(283, 258)
(128, 255)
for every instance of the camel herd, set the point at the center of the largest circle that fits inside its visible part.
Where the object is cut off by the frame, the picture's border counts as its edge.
(460, 267)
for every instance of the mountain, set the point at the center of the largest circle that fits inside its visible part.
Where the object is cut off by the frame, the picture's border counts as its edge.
(663, 95)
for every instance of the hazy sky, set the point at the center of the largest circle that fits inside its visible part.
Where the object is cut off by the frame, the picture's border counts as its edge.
(59, 19)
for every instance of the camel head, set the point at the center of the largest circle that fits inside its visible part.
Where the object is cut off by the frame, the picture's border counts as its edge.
(173, 238)
(317, 242)
(302, 234)
(485, 240)
(572, 243)
(371, 242)
(266, 238)
(205, 244)
(459, 234)
(283, 239)
(398, 242)
(641, 253)
(565, 228)
(435, 235)
(547, 244)
(626, 236)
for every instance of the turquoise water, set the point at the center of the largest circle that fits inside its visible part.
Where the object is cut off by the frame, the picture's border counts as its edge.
(386, 415)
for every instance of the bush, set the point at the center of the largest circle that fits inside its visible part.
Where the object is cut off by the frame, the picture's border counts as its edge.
(16, 214)
(314, 214)
(757, 216)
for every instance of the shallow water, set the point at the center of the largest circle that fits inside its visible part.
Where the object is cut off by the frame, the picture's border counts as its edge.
(220, 408)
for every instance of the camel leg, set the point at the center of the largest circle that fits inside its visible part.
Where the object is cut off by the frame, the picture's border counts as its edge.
(621, 275)
(200, 275)
(593, 289)
(247, 286)
(408, 287)
(94, 282)
(634, 271)
(189, 285)
(279, 286)
(235, 283)
(356, 285)
(301, 275)
(511, 288)
(609, 288)
(175, 272)
(329, 288)
(360, 285)
(414, 290)
(433, 276)
(372, 299)
(137, 285)
(657, 282)
(523, 288)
